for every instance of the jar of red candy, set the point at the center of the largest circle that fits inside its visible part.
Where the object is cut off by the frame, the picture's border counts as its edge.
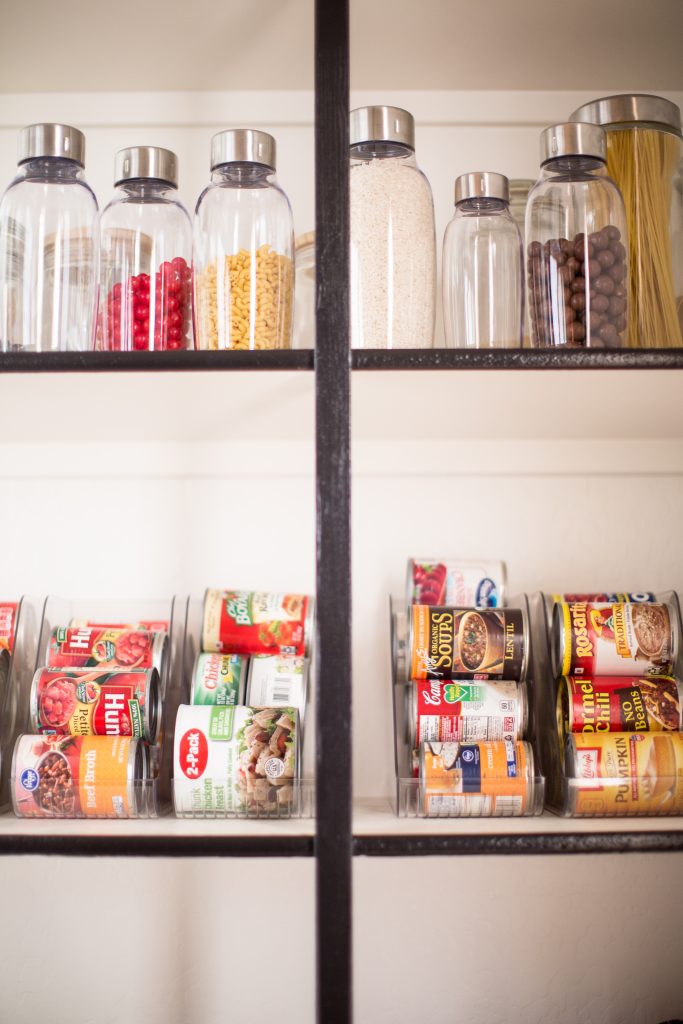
(146, 257)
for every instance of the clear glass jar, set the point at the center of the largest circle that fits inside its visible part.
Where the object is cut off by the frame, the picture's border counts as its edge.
(393, 240)
(643, 157)
(483, 283)
(145, 257)
(48, 246)
(577, 263)
(243, 245)
(304, 291)
(519, 193)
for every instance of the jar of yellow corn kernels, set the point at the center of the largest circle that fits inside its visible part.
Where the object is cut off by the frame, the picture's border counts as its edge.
(243, 248)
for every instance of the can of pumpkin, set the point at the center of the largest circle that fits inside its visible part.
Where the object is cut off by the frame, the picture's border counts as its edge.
(467, 643)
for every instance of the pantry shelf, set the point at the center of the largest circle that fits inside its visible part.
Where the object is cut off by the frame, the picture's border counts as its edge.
(517, 359)
(126, 362)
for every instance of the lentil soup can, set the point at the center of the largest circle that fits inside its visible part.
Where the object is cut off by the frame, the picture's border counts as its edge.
(456, 582)
(232, 760)
(8, 625)
(78, 776)
(468, 643)
(255, 622)
(613, 639)
(219, 679)
(624, 773)
(78, 702)
(465, 711)
(277, 681)
(92, 647)
(619, 704)
(487, 779)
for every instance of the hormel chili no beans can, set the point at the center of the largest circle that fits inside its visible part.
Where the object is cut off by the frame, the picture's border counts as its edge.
(80, 702)
(613, 639)
(463, 710)
(487, 779)
(467, 643)
(619, 704)
(456, 582)
(255, 622)
(94, 647)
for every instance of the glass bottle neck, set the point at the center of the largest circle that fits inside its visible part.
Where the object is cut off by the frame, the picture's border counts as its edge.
(50, 168)
(243, 175)
(381, 151)
(146, 190)
(575, 166)
(482, 205)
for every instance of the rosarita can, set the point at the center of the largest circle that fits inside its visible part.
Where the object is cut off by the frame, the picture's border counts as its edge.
(465, 711)
(468, 643)
(255, 622)
(619, 704)
(79, 702)
(612, 639)
(456, 582)
(219, 679)
(645, 598)
(487, 779)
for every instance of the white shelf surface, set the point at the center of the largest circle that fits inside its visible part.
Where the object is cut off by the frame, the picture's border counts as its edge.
(167, 825)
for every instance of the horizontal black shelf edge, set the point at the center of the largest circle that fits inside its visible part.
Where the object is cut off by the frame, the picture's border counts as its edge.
(107, 362)
(516, 843)
(517, 359)
(156, 846)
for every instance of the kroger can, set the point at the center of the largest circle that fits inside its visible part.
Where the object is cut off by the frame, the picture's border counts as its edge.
(219, 679)
(619, 704)
(93, 647)
(487, 779)
(234, 760)
(79, 776)
(255, 622)
(612, 639)
(277, 681)
(79, 702)
(456, 582)
(8, 625)
(463, 710)
(624, 773)
(468, 643)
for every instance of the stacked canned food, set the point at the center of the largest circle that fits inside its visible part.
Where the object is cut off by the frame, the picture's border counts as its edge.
(461, 664)
(618, 703)
(238, 743)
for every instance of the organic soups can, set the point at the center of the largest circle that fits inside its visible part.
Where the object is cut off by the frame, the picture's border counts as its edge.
(463, 710)
(219, 679)
(93, 647)
(234, 760)
(487, 779)
(8, 625)
(624, 773)
(456, 582)
(619, 704)
(251, 622)
(613, 639)
(468, 643)
(79, 702)
(78, 776)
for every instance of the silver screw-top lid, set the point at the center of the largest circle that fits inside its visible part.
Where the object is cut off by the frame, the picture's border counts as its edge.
(60, 140)
(382, 124)
(242, 146)
(573, 139)
(630, 108)
(481, 185)
(146, 162)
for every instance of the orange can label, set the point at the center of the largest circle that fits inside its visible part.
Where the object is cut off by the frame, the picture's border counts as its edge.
(488, 777)
(626, 773)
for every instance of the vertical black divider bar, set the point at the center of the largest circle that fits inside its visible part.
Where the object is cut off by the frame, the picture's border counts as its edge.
(333, 474)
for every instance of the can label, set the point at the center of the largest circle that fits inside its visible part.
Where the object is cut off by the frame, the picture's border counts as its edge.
(219, 679)
(452, 643)
(8, 625)
(278, 682)
(89, 647)
(619, 704)
(461, 710)
(66, 777)
(616, 639)
(151, 625)
(626, 773)
(455, 583)
(248, 622)
(81, 703)
(486, 778)
(644, 598)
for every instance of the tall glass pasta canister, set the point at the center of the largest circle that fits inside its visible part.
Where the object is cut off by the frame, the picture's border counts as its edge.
(48, 245)
(643, 157)
(243, 246)
(393, 247)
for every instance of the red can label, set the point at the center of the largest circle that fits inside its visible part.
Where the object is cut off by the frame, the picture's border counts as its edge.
(467, 711)
(8, 624)
(645, 598)
(615, 639)
(81, 703)
(247, 622)
(89, 647)
(619, 704)
(151, 625)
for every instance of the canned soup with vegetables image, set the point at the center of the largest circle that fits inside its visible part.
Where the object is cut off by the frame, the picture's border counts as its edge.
(613, 639)
(467, 643)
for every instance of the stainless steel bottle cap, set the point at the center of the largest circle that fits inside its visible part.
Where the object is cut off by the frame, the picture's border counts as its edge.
(60, 140)
(573, 139)
(630, 108)
(382, 124)
(146, 162)
(481, 185)
(242, 146)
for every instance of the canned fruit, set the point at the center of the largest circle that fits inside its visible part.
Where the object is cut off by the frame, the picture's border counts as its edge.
(278, 681)
(456, 582)
(451, 643)
(8, 625)
(219, 679)
(89, 647)
(82, 703)
(613, 639)
(250, 622)
(619, 704)
(644, 598)
(489, 778)
(460, 710)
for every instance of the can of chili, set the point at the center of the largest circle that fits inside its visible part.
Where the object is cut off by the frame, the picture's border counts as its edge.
(79, 776)
(468, 643)
(619, 704)
(486, 779)
(456, 582)
(276, 681)
(80, 702)
(624, 773)
(255, 622)
(8, 625)
(467, 711)
(93, 647)
(234, 760)
(219, 679)
(613, 639)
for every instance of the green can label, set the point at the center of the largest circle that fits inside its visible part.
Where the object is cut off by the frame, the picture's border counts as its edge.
(219, 679)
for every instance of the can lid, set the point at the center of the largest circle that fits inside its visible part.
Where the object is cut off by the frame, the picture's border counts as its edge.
(146, 162)
(382, 124)
(573, 139)
(482, 185)
(51, 140)
(243, 145)
(630, 108)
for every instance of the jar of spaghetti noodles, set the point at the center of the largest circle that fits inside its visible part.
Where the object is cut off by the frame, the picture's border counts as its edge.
(643, 157)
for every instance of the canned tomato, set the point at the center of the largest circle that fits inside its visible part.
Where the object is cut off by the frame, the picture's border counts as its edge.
(278, 682)
(645, 598)
(219, 679)
(612, 639)
(456, 582)
(8, 625)
(486, 779)
(467, 643)
(250, 622)
(79, 702)
(234, 759)
(625, 773)
(78, 776)
(151, 625)
(619, 704)
(90, 647)
(462, 710)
